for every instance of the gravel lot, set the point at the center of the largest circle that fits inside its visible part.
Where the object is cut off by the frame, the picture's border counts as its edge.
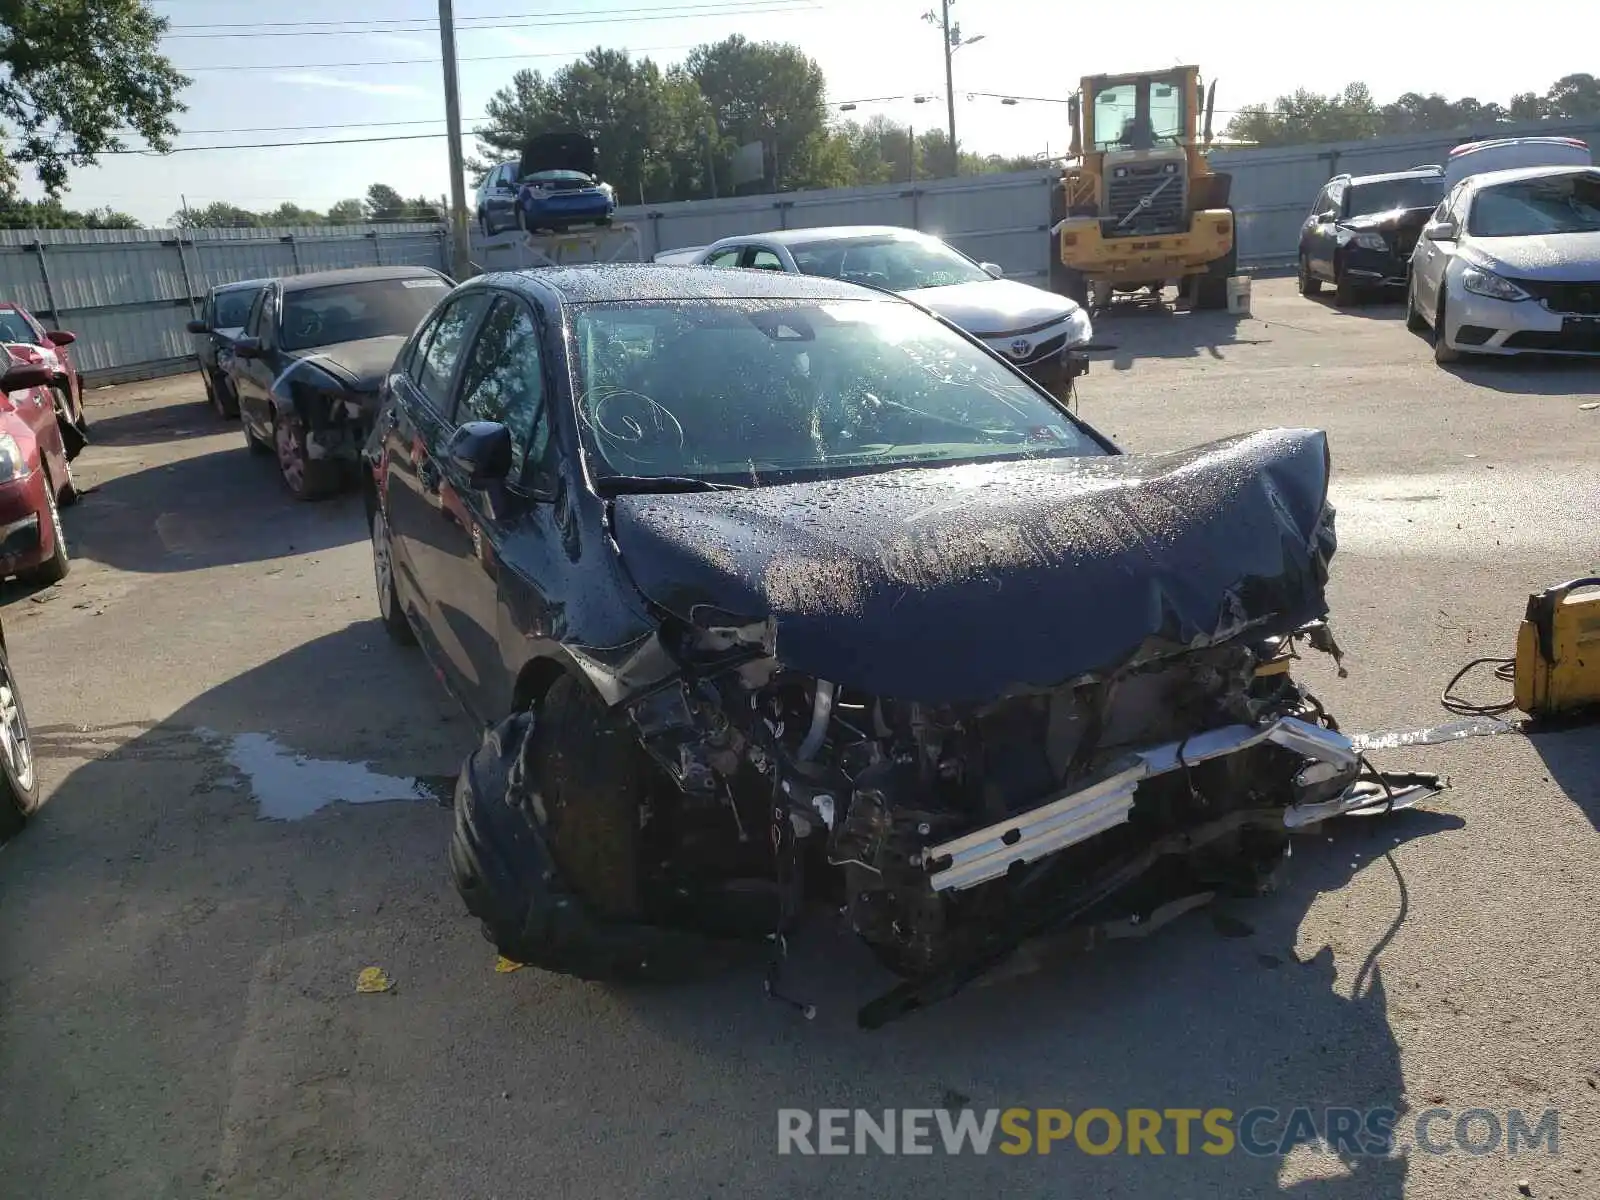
(178, 1016)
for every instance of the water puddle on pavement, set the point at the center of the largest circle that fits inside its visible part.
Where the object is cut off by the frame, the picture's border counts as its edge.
(289, 786)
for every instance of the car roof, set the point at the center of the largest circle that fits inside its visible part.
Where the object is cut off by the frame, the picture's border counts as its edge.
(240, 284)
(1429, 172)
(297, 283)
(1513, 174)
(601, 282)
(826, 233)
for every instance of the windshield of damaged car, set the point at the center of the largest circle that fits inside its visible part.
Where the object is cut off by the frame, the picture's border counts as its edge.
(753, 392)
(1554, 204)
(1386, 195)
(348, 312)
(897, 264)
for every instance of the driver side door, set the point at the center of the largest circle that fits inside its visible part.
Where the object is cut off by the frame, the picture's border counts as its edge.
(1433, 258)
(253, 376)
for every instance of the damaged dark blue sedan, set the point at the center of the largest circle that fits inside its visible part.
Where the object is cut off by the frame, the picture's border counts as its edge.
(769, 587)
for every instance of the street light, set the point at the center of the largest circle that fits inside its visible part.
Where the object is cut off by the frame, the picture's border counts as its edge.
(953, 41)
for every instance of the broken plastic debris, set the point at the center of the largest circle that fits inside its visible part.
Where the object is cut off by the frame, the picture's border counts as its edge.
(504, 966)
(1590, 407)
(373, 979)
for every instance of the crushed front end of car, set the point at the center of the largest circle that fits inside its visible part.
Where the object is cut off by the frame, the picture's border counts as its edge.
(974, 705)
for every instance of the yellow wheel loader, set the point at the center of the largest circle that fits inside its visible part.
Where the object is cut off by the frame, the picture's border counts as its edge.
(1139, 206)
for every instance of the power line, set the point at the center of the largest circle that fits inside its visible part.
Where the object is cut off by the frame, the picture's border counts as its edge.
(516, 20)
(412, 62)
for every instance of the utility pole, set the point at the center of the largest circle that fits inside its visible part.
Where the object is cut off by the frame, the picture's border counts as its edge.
(950, 89)
(461, 245)
(953, 41)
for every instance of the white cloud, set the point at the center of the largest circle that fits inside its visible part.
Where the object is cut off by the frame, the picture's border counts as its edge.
(401, 42)
(310, 79)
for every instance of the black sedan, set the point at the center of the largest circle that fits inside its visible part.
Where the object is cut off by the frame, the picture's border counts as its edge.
(219, 325)
(1362, 228)
(765, 582)
(307, 366)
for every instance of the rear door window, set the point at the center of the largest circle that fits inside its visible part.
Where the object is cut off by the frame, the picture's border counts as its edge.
(762, 259)
(726, 258)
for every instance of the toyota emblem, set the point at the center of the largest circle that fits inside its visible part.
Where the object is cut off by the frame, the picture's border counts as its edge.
(1020, 348)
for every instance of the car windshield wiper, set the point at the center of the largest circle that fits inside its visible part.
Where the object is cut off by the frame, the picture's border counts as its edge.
(618, 485)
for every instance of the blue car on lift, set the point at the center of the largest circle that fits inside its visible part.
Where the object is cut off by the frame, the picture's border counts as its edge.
(559, 188)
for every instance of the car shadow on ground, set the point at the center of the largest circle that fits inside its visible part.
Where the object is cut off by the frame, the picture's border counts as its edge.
(1530, 375)
(192, 959)
(1375, 306)
(225, 507)
(156, 424)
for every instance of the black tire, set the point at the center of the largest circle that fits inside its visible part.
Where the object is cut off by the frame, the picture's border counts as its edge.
(1415, 321)
(1074, 285)
(54, 569)
(19, 779)
(74, 430)
(483, 223)
(306, 478)
(252, 443)
(1345, 293)
(593, 777)
(1442, 353)
(1310, 285)
(68, 495)
(390, 612)
(224, 399)
(1211, 293)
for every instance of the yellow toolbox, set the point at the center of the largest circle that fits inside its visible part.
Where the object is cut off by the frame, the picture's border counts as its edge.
(1558, 650)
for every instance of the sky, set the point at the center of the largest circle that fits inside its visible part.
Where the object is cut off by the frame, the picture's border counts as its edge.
(249, 83)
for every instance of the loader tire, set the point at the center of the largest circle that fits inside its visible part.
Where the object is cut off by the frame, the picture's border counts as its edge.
(1211, 292)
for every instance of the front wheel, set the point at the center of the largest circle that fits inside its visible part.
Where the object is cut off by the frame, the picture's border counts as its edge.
(224, 399)
(389, 609)
(54, 569)
(19, 784)
(1310, 285)
(1415, 321)
(1443, 352)
(306, 478)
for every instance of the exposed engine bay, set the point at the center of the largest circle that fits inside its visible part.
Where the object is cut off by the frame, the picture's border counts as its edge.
(1175, 755)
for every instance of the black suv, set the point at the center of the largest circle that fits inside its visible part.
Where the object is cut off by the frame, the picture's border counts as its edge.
(1362, 228)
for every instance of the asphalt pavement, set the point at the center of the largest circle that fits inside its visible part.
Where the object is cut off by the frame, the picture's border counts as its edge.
(179, 1014)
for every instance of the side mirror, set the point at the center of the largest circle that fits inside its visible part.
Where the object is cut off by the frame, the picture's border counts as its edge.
(1440, 231)
(995, 270)
(198, 326)
(481, 450)
(19, 377)
(1326, 218)
(247, 347)
(60, 337)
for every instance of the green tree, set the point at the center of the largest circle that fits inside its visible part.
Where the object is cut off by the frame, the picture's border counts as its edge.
(49, 214)
(1307, 117)
(347, 212)
(768, 92)
(74, 74)
(385, 204)
(1573, 97)
(292, 214)
(651, 128)
(219, 214)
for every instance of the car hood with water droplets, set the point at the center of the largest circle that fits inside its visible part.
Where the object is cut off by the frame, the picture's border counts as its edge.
(962, 584)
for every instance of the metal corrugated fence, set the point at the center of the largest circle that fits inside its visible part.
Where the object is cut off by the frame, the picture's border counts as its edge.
(127, 293)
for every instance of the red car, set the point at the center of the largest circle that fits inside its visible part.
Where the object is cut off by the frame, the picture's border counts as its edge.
(24, 337)
(35, 477)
